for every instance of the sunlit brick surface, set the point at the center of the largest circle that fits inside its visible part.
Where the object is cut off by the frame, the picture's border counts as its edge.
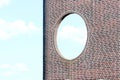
(101, 56)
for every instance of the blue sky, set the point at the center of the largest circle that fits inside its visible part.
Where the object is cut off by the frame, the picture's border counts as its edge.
(21, 42)
(21, 39)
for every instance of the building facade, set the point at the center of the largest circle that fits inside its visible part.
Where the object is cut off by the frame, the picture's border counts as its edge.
(101, 56)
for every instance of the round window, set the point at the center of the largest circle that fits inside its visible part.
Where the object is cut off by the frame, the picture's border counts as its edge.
(71, 36)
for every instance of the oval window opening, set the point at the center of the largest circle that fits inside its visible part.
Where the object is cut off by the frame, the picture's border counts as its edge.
(71, 36)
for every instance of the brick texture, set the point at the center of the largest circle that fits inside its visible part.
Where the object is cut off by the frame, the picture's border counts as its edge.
(101, 56)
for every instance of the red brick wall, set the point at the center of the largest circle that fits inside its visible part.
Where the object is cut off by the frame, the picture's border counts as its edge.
(101, 56)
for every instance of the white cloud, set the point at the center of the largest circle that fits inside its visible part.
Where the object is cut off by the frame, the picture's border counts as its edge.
(4, 3)
(8, 73)
(21, 67)
(11, 29)
(75, 34)
(5, 66)
(10, 70)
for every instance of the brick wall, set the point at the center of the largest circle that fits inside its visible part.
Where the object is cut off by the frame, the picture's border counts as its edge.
(101, 56)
